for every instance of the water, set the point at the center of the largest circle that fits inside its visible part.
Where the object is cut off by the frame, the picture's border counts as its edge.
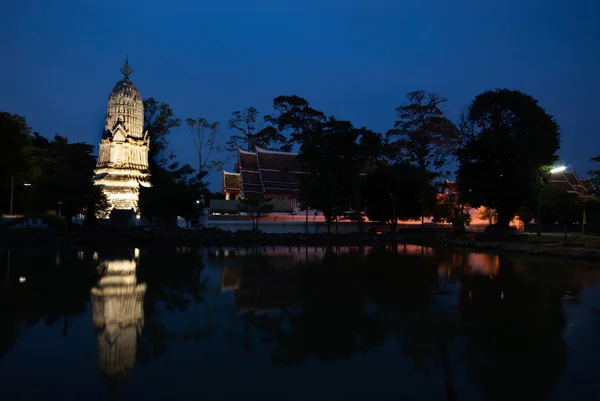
(406, 323)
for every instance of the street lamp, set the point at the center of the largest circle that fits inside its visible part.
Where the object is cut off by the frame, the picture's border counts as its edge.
(558, 169)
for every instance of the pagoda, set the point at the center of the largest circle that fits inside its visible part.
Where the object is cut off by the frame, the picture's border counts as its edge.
(122, 164)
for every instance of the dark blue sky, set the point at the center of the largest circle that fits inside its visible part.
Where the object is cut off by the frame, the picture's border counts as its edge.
(354, 59)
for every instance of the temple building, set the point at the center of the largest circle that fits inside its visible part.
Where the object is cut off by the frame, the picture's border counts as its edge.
(570, 182)
(122, 164)
(274, 175)
(118, 316)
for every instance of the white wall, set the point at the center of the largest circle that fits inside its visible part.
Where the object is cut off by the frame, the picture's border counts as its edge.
(284, 227)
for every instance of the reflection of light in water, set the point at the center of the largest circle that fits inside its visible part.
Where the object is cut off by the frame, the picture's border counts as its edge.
(80, 255)
(226, 252)
(475, 264)
(230, 278)
(22, 279)
(95, 256)
(57, 262)
(118, 316)
(409, 249)
(136, 253)
(483, 263)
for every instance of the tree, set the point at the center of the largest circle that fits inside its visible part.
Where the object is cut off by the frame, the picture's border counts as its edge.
(206, 137)
(339, 149)
(14, 163)
(423, 136)
(392, 194)
(248, 136)
(294, 114)
(561, 207)
(449, 209)
(65, 182)
(159, 120)
(175, 187)
(319, 190)
(507, 138)
(174, 192)
(256, 208)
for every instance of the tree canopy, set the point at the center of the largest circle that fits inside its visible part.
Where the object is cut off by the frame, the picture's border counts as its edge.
(248, 135)
(425, 138)
(506, 137)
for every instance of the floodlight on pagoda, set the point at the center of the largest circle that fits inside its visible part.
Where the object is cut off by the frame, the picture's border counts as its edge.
(558, 169)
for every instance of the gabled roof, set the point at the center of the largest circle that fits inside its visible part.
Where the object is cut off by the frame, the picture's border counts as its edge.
(247, 160)
(231, 181)
(570, 182)
(271, 160)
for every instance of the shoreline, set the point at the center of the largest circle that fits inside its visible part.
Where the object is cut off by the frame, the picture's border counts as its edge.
(429, 238)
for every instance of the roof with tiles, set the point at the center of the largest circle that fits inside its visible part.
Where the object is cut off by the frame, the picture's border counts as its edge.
(231, 181)
(271, 160)
(247, 160)
(270, 171)
(570, 182)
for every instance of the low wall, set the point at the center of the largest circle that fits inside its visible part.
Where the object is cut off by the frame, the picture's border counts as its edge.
(286, 227)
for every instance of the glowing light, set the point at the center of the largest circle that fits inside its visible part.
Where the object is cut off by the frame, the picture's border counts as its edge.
(558, 169)
(22, 279)
(226, 252)
(80, 255)
(27, 184)
(136, 252)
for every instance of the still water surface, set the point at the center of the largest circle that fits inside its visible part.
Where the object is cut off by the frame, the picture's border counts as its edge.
(405, 323)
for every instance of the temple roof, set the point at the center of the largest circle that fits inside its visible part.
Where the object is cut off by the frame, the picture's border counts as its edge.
(247, 160)
(570, 182)
(231, 181)
(267, 171)
(271, 160)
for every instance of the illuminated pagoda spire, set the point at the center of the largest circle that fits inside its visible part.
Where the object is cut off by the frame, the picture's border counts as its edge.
(126, 69)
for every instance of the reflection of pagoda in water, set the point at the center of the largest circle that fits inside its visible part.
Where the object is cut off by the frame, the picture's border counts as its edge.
(118, 316)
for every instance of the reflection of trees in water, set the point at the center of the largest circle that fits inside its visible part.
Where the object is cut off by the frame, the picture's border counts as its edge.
(174, 284)
(51, 292)
(334, 306)
(347, 303)
(513, 326)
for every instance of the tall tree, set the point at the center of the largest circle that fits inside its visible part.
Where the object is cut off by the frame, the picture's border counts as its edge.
(206, 137)
(507, 138)
(295, 115)
(248, 135)
(337, 147)
(423, 136)
(14, 161)
(65, 183)
(159, 120)
(175, 187)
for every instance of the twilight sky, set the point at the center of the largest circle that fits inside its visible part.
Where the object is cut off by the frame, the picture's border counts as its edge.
(354, 59)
